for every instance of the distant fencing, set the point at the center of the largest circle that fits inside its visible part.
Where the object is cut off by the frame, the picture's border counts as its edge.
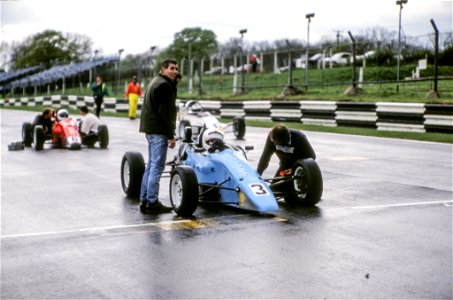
(390, 116)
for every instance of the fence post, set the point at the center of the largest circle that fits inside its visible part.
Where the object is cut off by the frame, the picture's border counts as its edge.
(235, 77)
(434, 93)
(261, 62)
(276, 70)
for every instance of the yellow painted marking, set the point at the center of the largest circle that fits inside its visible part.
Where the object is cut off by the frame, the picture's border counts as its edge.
(280, 219)
(186, 224)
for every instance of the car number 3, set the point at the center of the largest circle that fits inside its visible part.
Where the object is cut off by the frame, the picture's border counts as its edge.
(258, 189)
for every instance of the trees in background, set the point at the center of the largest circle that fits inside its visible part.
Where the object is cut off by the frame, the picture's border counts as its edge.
(52, 47)
(49, 48)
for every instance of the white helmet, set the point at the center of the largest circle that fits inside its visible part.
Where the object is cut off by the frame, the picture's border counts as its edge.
(212, 136)
(62, 114)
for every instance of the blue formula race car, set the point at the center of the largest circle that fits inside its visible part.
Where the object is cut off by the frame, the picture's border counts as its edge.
(212, 171)
(205, 170)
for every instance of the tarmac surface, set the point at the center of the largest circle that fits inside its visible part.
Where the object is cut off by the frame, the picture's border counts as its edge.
(382, 230)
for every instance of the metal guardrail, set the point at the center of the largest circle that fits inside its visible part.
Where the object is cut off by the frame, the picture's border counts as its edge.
(390, 116)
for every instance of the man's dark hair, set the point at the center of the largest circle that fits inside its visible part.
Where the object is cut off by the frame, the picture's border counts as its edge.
(47, 111)
(280, 135)
(84, 109)
(167, 62)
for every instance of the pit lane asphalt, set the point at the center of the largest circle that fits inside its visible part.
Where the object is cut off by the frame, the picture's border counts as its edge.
(382, 230)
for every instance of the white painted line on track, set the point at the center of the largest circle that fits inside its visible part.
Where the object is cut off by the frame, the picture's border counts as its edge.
(81, 230)
(444, 202)
(164, 226)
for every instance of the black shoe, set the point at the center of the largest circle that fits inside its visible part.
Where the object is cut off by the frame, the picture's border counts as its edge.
(143, 206)
(158, 207)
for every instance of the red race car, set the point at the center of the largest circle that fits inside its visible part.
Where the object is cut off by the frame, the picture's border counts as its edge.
(65, 133)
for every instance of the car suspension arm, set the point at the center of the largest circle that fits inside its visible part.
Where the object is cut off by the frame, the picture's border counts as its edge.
(219, 186)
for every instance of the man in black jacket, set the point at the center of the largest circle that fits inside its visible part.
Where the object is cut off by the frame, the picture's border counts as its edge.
(158, 122)
(288, 144)
(45, 120)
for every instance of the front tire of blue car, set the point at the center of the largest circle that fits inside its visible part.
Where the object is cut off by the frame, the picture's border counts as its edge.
(184, 191)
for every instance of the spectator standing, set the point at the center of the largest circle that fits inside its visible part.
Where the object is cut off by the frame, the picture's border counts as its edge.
(99, 91)
(158, 122)
(254, 61)
(133, 92)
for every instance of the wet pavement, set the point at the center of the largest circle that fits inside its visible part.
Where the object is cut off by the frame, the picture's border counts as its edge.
(382, 230)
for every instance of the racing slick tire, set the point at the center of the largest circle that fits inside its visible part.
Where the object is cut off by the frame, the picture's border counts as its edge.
(239, 127)
(27, 136)
(132, 169)
(184, 191)
(181, 129)
(103, 136)
(38, 138)
(308, 186)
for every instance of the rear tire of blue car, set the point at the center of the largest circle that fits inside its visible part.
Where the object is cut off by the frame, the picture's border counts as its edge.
(38, 138)
(307, 188)
(132, 169)
(103, 135)
(184, 191)
(239, 127)
(27, 136)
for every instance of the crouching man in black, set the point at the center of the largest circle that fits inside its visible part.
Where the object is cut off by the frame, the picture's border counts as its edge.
(46, 120)
(289, 145)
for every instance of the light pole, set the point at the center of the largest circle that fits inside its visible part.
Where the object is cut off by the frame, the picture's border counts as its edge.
(151, 66)
(190, 66)
(94, 67)
(307, 16)
(242, 32)
(400, 3)
(190, 40)
(435, 93)
(118, 78)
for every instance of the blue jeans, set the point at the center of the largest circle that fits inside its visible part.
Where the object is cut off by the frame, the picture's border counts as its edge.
(157, 154)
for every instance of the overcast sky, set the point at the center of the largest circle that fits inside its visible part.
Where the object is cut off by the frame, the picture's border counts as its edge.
(136, 25)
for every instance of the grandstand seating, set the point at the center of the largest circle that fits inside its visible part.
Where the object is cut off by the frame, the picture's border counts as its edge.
(53, 74)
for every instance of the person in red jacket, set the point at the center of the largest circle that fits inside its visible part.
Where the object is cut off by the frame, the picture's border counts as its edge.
(133, 92)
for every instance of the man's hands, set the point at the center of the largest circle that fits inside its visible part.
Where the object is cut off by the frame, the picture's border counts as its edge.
(172, 143)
